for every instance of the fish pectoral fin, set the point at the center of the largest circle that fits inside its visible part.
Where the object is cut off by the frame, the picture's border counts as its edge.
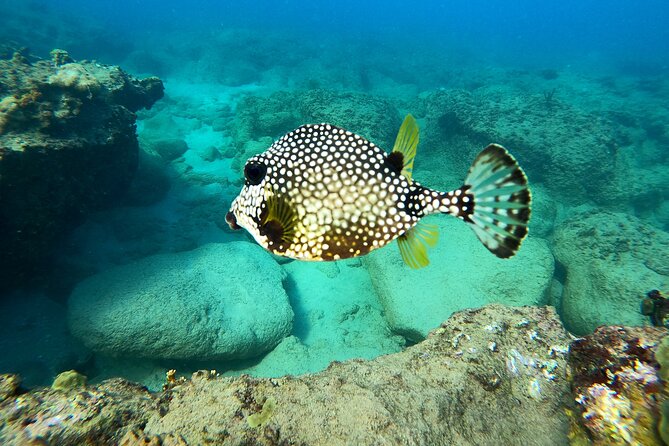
(415, 242)
(279, 220)
(406, 143)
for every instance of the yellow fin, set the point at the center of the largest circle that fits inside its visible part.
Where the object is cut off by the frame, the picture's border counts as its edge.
(414, 243)
(281, 212)
(406, 143)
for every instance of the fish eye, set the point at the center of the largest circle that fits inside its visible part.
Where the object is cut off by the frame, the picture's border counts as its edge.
(254, 172)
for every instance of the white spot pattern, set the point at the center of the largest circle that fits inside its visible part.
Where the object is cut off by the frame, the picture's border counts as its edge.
(346, 200)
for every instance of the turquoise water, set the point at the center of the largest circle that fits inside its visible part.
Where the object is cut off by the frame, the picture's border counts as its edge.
(577, 91)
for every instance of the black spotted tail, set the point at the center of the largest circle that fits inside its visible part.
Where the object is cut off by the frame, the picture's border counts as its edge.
(495, 200)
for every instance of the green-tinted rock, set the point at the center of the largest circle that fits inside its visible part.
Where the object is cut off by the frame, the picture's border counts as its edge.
(221, 301)
(67, 148)
(462, 274)
(69, 380)
(611, 261)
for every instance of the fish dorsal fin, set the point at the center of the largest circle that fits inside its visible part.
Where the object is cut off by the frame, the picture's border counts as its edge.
(414, 243)
(279, 220)
(406, 143)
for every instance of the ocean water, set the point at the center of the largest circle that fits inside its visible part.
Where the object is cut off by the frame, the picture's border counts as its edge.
(577, 91)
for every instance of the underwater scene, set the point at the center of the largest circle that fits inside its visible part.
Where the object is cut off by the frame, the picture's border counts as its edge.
(350, 223)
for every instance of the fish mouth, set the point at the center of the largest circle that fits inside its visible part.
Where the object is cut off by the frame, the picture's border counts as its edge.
(231, 220)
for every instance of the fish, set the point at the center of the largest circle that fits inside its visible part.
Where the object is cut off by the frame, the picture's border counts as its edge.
(323, 193)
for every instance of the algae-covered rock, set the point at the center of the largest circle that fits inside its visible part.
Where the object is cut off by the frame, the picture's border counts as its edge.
(462, 274)
(99, 415)
(218, 302)
(617, 390)
(67, 147)
(69, 380)
(611, 261)
(489, 376)
(467, 384)
(9, 386)
(569, 150)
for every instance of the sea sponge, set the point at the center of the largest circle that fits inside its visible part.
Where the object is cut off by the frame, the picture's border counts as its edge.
(663, 426)
(69, 380)
(260, 418)
(74, 75)
(662, 358)
(7, 106)
(60, 57)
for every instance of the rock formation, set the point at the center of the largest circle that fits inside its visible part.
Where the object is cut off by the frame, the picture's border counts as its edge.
(67, 147)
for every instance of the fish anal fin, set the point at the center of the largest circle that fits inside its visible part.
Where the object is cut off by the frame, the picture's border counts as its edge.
(406, 143)
(415, 242)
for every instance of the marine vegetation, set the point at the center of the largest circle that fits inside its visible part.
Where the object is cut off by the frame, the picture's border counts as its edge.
(549, 98)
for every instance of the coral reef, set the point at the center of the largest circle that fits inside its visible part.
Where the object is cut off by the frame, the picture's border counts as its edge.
(218, 302)
(67, 147)
(93, 415)
(617, 389)
(490, 376)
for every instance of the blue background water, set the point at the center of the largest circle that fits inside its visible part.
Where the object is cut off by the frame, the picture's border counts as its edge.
(576, 89)
(522, 32)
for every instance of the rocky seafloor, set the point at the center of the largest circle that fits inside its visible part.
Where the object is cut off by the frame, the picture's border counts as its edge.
(155, 280)
(495, 375)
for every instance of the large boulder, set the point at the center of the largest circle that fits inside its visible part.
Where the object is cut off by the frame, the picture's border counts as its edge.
(218, 302)
(611, 260)
(462, 274)
(67, 147)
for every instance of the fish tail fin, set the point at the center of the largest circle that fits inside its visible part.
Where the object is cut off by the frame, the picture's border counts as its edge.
(495, 200)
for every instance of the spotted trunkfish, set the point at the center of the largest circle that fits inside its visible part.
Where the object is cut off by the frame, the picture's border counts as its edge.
(324, 193)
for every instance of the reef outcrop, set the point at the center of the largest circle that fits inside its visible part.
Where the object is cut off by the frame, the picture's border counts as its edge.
(495, 375)
(619, 387)
(487, 376)
(67, 147)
